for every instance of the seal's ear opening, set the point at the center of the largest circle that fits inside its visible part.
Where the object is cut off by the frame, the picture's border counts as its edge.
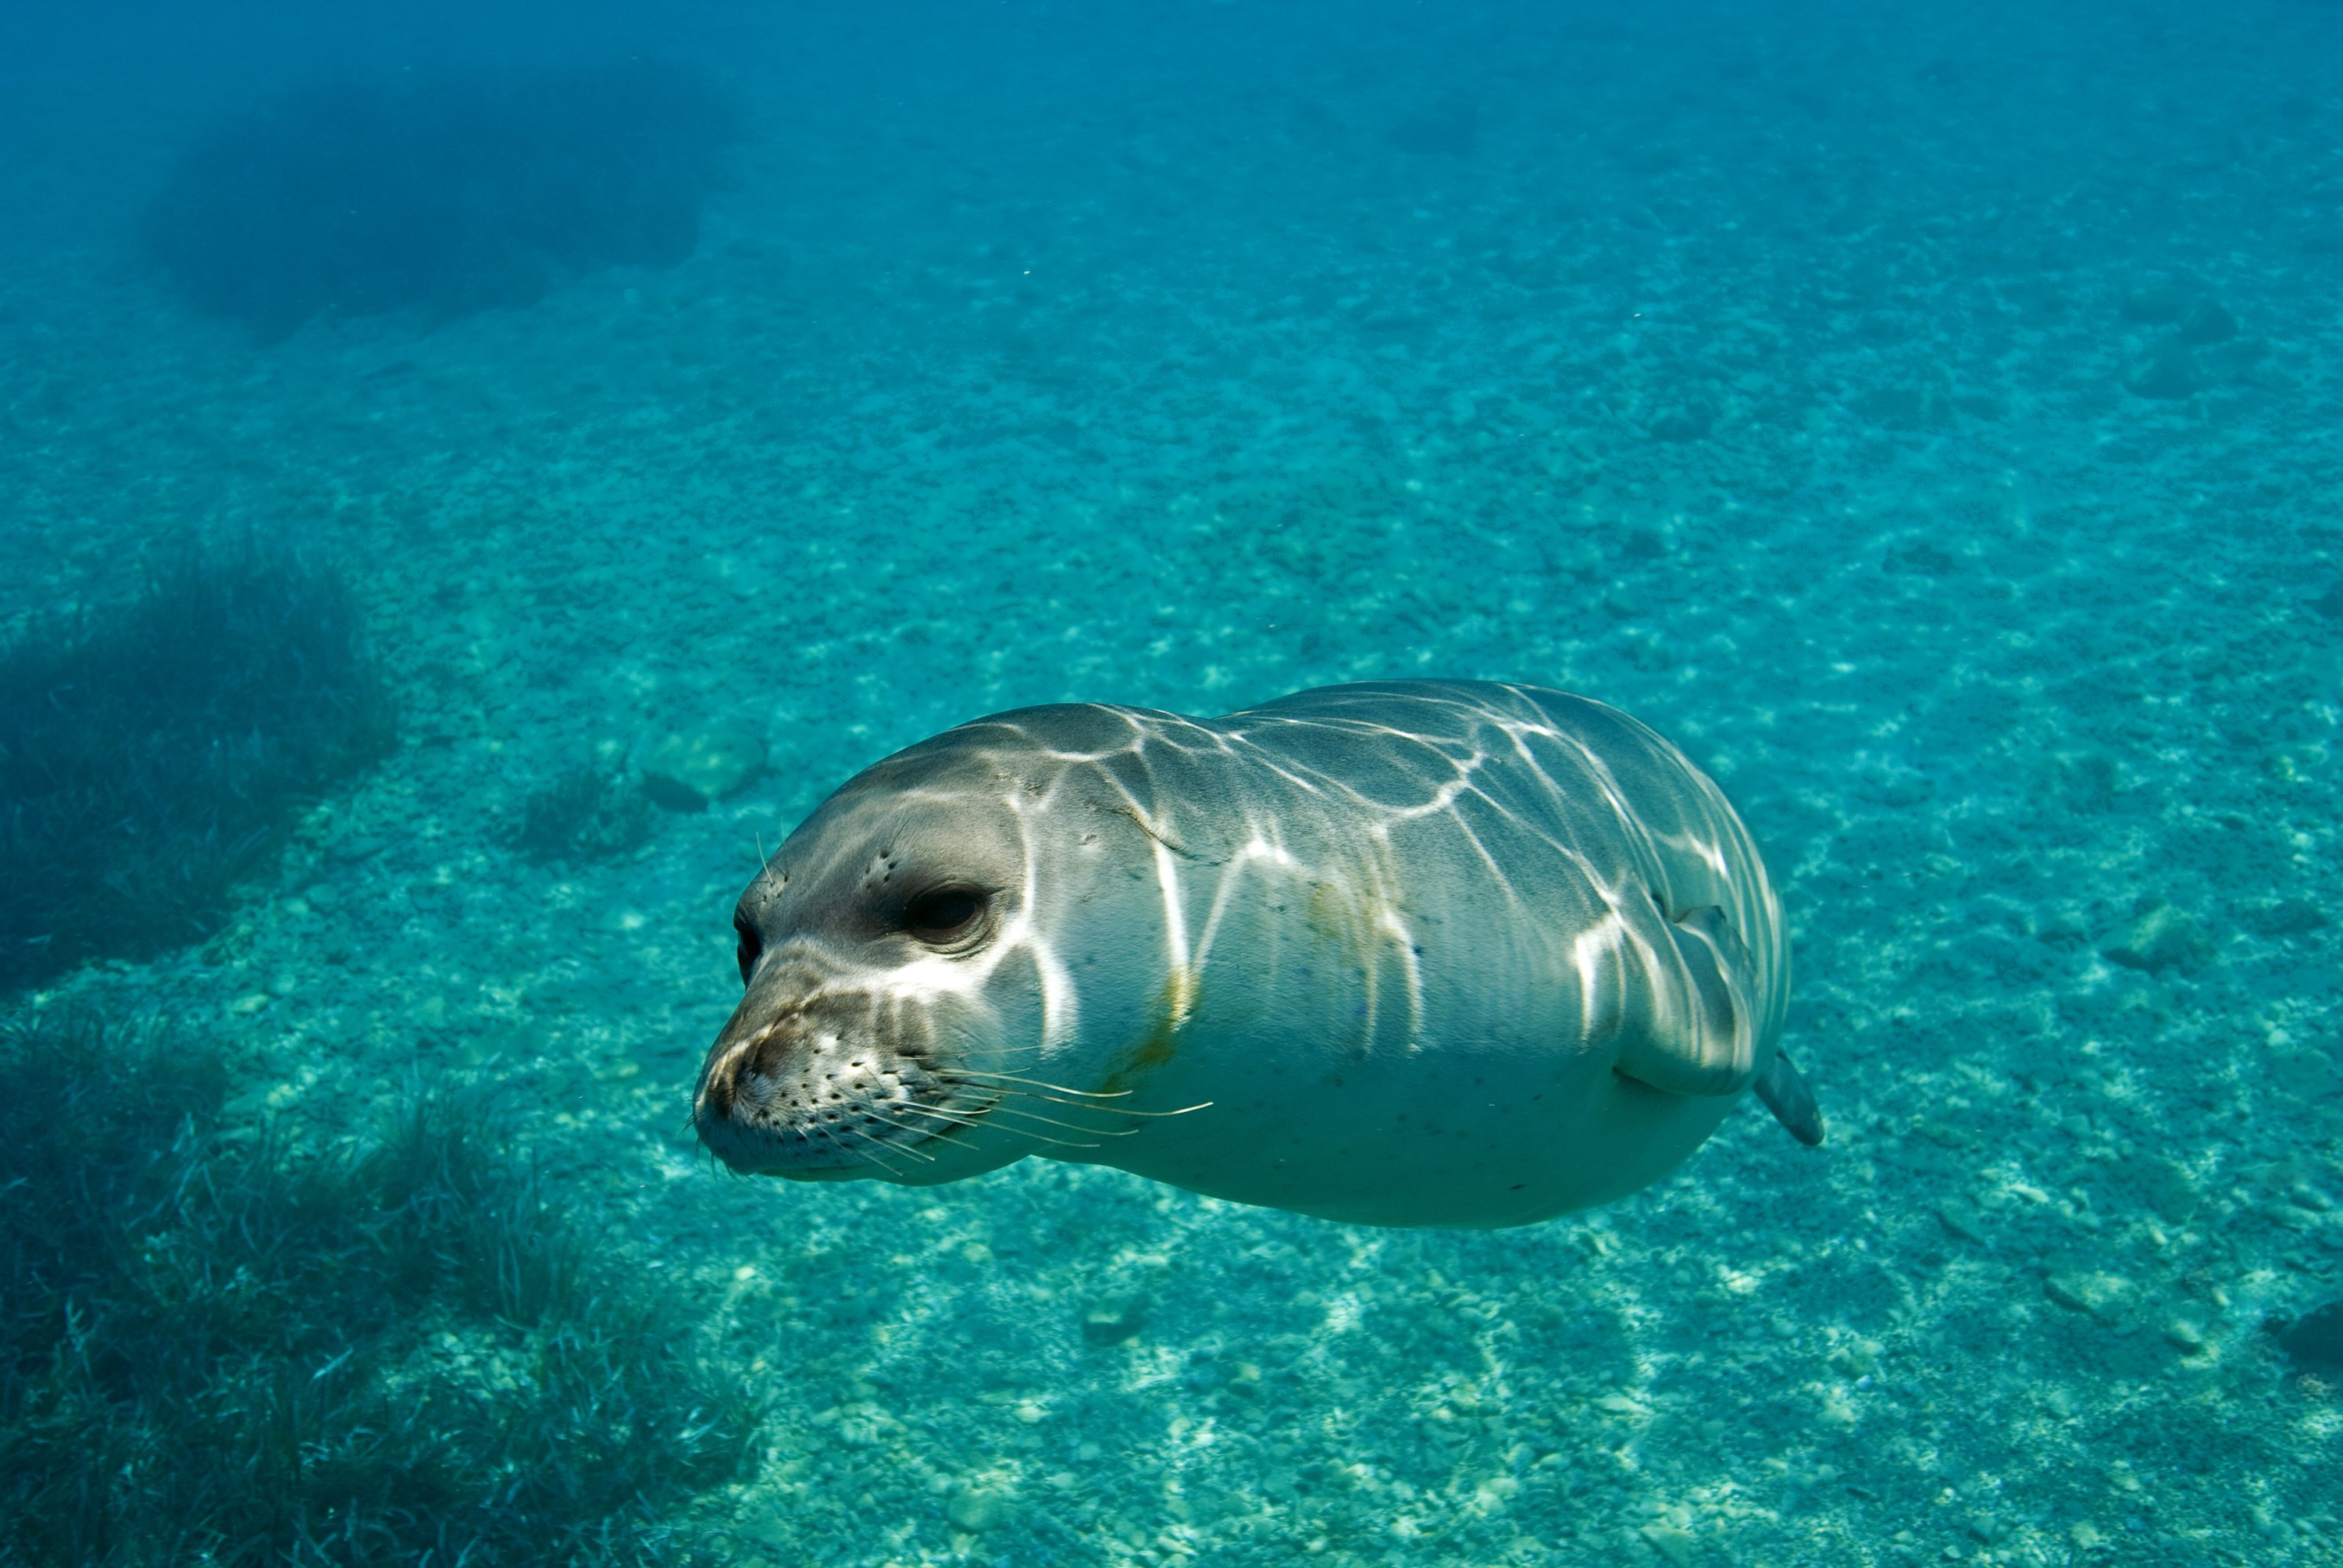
(154, 755)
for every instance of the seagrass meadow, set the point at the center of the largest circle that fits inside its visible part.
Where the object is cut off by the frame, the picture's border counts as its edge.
(472, 480)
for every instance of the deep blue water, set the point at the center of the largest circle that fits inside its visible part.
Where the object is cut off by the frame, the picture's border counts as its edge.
(1931, 418)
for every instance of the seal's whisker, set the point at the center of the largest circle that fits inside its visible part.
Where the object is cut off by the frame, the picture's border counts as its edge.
(1001, 1108)
(965, 1123)
(957, 1118)
(1085, 1105)
(849, 1151)
(960, 1074)
(996, 1087)
(903, 1127)
(1045, 1138)
(1018, 1131)
(852, 1151)
(1042, 1083)
(1009, 1050)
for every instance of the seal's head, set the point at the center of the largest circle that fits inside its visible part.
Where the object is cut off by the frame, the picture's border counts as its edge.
(901, 987)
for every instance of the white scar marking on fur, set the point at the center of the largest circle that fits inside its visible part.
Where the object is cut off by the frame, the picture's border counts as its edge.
(1709, 853)
(1412, 967)
(1257, 852)
(1181, 984)
(1383, 918)
(1444, 797)
(921, 981)
(1591, 951)
(1061, 1003)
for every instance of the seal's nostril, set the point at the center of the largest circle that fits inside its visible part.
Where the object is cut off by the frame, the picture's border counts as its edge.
(770, 1055)
(790, 1089)
(717, 1098)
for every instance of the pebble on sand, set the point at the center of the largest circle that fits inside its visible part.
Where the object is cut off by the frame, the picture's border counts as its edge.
(693, 766)
(1673, 1544)
(2101, 1294)
(980, 1510)
(2161, 938)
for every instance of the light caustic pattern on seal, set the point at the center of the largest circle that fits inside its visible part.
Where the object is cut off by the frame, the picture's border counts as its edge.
(1413, 952)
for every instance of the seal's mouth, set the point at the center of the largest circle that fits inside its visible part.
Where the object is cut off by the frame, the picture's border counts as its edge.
(757, 1127)
(812, 1090)
(817, 1079)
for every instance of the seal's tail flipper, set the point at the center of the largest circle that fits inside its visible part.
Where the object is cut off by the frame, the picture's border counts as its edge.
(1785, 1094)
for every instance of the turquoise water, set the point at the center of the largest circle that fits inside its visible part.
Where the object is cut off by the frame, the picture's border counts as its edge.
(1928, 419)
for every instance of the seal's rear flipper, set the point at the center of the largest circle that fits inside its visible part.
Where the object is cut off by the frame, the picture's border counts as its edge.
(1785, 1094)
(1707, 1045)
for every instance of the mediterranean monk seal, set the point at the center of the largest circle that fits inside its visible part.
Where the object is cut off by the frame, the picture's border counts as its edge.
(1413, 953)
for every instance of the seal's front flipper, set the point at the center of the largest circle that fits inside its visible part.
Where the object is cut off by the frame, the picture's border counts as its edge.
(1703, 1041)
(1785, 1094)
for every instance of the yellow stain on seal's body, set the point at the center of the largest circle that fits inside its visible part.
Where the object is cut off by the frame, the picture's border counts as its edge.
(1156, 1048)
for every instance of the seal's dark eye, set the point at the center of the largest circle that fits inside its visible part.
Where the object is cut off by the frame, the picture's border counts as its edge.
(751, 945)
(941, 915)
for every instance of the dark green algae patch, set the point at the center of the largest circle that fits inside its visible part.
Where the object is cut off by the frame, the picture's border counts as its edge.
(155, 750)
(2313, 1342)
(217, 1347)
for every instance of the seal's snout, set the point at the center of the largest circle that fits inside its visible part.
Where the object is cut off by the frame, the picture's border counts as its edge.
(826, 1084)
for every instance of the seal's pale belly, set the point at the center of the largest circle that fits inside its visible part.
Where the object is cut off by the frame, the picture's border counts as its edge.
(1518, 1138)
(1444, 953)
